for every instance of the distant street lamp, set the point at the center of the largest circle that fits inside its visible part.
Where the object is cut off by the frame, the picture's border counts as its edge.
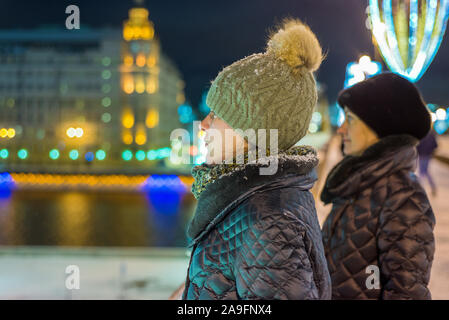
(361, 70)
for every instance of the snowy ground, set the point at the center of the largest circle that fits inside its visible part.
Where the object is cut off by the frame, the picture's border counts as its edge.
(40, 273)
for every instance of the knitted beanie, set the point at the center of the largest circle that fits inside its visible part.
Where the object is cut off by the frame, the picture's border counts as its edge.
(272, 90)
(389, 104)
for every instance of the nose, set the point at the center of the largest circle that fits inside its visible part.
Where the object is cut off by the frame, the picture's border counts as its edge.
(343, 129)
(205, 124)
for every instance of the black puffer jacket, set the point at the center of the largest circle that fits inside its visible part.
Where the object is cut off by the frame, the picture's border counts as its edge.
(258, 237)
(382, 217)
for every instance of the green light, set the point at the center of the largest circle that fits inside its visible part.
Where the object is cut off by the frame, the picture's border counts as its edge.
(152, 155)
(106, 102)
(106, 74)
(106, 88)
(54, 154)
(140, 155)
(127, 155)
(106, 61)
(106, 117)
(22, 154)
(100, 154)
(4, 153)
(74, 154)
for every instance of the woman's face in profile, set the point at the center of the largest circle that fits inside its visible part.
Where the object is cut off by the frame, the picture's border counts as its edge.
(356, 135)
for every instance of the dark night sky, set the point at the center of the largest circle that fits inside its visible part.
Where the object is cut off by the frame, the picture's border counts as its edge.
(203, 36)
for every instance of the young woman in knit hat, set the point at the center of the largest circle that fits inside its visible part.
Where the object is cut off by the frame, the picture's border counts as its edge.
(378, 237)
(257, 236)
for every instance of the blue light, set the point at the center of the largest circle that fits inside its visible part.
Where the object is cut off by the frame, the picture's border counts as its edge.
(74, 154)
(164, 153)
(204, 108)
(127, 155)
(54, 154)
(4, 153)
(100, 154)
(440, 126)
(185, 113)
(391, 33)
(152, 155)
(413, 30)
(432, 107)
(140, 155)
(89, 156)
(164, 192)
(418, 58)
(357, 72)
(7, 185)
(22, 154)
(336, 115)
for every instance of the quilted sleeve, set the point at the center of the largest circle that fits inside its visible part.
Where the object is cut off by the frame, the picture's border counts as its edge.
(406, 244)
(273, 262)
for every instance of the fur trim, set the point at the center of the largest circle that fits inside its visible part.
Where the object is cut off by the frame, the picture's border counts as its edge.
(396, 148)
(297, 45)
(227, 191)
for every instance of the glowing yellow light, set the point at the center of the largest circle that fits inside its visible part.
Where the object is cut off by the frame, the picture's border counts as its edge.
(138, 27)
(151, 61)
(11, 133)
(3, 133)
(180, 98)
(152, 119)
(152, 85)
(128, 60)
(79, 132)
(127, 33)
(140, 60)
(147, 32)
(127, 137)
(71, 132)
(201, 134)
(128, 84)
(140, 85)
(141, 135)
(128, 118)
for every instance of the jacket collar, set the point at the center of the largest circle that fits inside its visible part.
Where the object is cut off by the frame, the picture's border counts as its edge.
(356, 173)
(229, 190)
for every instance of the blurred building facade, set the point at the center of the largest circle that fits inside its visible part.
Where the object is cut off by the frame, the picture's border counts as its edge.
(87, 100)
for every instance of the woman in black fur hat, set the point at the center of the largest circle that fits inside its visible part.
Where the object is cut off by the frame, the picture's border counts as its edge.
(378, 238)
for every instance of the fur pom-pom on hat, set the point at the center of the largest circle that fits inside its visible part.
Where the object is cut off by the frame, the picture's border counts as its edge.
(297, 45)
(272, 90)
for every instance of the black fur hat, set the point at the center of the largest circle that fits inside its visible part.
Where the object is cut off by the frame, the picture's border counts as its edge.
(389, 105)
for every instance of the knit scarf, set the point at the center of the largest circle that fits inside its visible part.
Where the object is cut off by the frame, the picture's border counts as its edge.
(206, 174)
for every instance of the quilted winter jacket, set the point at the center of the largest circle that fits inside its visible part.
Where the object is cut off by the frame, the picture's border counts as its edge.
(380, 217)
(258, 237)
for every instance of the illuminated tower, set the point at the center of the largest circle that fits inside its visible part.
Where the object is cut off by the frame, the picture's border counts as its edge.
(140, 69)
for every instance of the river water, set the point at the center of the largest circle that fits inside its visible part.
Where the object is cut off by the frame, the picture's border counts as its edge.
(154, 218)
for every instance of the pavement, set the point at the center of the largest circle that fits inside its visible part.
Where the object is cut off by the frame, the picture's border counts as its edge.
(104, 273)
(439, 281)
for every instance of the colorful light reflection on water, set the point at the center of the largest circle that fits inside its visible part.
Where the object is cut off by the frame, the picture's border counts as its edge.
(156, 216)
